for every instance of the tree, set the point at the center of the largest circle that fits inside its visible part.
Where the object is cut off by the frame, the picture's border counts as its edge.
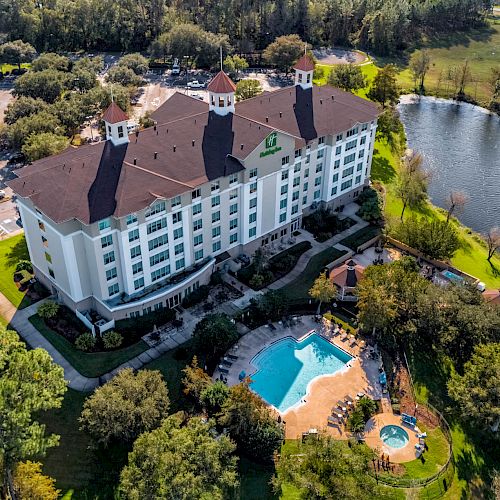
(347, 77)
(31, 484)
(23, 106)
(494, 82)
(213, 335)
(45, 144)
(125, 407)
(17, 52)
(388, 124)
(455, 202)
(22, 129)
(94, 64)
(492, 238)
(370, 205)
(323, 290)
(461, 76)
(476, 391)
(47, 84)
(195, 380)
(356, 422)
(326, 468)
(182, 462)
(136, 62)
(214, 396)
(284, 51)
(412, 183)
(420, 63)
(248, 88)
(234, 64)
(384, 88)
(48, 310)
(250, 423)
(50, 60)
(124, 76)
(30, 382)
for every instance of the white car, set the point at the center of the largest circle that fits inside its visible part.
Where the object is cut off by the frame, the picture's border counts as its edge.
(195, 84)
(2, 194)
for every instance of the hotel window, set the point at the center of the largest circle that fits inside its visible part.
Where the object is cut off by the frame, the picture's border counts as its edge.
(133, 235)
(339, 137)
(304, 200)
(135, 252)
(317, 181)
(233, 238)
(363, 140)
(120, 131)
(233, 178)
(319, 167)
(111, 273)
(351, 145)
(45, 242)
(160, 273)
(113, 289)
(216, 216)
(107, 257)
(41, 225)
(215, 186)
(216, 232)
(178, 249)
(347, 172)
(159, 257)
(349, 158)
(137, 267)
(358, 179)
(296, 168)
(215, 201)
(284, 175)
(51, 273)
(178, 233)
(283, 203)
(197, 224)
(361, 154)
(296, 181)
(306, 173)
(106, 241)
(334, 190)
(321, 140)
(364, 126)
(138, 283)
(352, 132)
(233, 224)
(234, 207)
(252, 232)
(284, 189)
(158, 242)
(233, 194)
(135, 314)
(198, 255)
(335, 177)
(295, 209)
(195, 194)
(321, 153)
(253, 187)
(253, 173)
(346, 184)
(252, 217)
(156, 225)
(298, 153)
(176, 201)
(283, 217)
(198, 240)
(177, 217)
(359, 167)
(285, 160)
(295, 195)
(197, 209)
(336, 164)
(308, 159)
(131, 218)
(338, 150)
(104, 224)
(157, 208)
(305, 187)
(216, 246)
(317, 194)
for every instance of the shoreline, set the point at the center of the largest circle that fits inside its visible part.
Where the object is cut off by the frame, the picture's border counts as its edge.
(406, 99)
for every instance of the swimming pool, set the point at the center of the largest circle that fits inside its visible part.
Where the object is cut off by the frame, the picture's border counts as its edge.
(394, 436)
(452, 276)
(285, 368)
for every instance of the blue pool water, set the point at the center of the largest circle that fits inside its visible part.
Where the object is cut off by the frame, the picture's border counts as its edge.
(452, 276)
(285, 368)
(394, 436)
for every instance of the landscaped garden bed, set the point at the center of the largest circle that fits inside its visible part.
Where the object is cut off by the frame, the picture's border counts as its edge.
(354, 241)
(323, 224)
(263, 271)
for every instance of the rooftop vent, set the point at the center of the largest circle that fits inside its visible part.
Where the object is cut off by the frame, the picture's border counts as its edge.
(242, 146)
(321, 101)
(154, 128)
(175, 148)
(135, 161)
(192, 143)
(156, 155)
(267, 119)
(333, 98)
(281, 114)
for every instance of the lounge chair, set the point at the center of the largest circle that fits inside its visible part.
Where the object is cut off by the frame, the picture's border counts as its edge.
(332, 420)
(342, 405)
(222, 369)
(232, 356)
(422, 435)
(226, 361)
(408, 419)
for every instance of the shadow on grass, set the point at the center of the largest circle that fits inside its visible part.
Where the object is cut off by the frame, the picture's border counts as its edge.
(464, 38)
(494, 269)
(382, 170)
(18, 252)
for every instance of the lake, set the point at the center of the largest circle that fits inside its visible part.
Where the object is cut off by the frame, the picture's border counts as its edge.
(460, 144)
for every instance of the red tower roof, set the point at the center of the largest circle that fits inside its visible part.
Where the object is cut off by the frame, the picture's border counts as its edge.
(221, 84)
(114, 114)
(304, 64)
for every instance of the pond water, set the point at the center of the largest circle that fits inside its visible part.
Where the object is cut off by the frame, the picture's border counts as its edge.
(461, 147)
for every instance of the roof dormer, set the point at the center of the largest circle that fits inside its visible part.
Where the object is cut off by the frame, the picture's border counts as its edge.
(221, 94)
(304, 70)
(115, 121)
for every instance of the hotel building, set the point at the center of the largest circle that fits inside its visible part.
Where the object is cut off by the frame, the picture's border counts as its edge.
(134, 223)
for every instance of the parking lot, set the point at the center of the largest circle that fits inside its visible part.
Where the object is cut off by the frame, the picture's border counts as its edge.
(9, 218)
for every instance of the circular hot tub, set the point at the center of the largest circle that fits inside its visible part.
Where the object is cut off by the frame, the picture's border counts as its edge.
(394, 436)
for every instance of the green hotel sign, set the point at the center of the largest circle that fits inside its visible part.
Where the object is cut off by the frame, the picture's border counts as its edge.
(271, 147)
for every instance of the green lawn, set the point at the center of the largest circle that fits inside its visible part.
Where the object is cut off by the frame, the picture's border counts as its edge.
(299, 288)
(11, 251)
(360, 237)
(10, 67)
(88, 364)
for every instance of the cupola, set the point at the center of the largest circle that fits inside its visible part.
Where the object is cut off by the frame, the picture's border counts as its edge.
(304, 69)
(221, 94)
(115, 121)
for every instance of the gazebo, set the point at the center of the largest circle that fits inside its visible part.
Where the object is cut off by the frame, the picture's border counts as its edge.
(345, 278)
(492, 296)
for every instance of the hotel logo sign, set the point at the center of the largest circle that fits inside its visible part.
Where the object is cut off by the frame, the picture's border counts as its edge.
(271, 145)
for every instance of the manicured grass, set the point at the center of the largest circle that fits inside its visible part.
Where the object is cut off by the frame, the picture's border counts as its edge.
(88, 364)
(300, 287)
(10, 67)
(360, 237)
(12, 250)
(255, 481)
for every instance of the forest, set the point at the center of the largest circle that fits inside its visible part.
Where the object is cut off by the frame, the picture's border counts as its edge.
(383, 27)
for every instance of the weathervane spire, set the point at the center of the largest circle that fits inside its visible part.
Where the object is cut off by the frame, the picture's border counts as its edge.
(221, 57)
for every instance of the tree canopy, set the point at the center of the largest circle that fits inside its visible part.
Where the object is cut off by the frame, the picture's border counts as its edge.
(47, 84)
(44, 144)
(30, 483)
(323, 289)
(347, 77)
(284, 51)
(16, 52)
(384, 88)
(248, 88)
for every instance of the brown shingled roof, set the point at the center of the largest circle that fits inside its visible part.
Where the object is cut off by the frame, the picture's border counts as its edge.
(114, 114)
(304, 64)
(221, 84)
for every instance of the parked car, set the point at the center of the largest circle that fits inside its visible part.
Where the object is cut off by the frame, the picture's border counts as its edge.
(176, 69)
(195, 84)
(3, 194)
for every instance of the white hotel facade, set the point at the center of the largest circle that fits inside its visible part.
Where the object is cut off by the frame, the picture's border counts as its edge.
(135, 223)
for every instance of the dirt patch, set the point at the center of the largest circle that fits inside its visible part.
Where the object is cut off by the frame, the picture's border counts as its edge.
(338, 56)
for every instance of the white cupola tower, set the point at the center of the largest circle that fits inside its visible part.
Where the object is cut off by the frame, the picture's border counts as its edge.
(221, 94)
(304, 69)
(115, 121)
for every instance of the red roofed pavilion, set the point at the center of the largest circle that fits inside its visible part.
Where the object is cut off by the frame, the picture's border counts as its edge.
(114, 114)
(305, 63)
(221, 84)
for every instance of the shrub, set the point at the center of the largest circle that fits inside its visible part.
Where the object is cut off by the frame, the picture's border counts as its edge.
(368, 407)
(24, 265)
(85, 342)
(257, 281)
(356, 421)
(135, 328)
(48, 309)
(196, 296)
(370, 205)
(111, 339)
